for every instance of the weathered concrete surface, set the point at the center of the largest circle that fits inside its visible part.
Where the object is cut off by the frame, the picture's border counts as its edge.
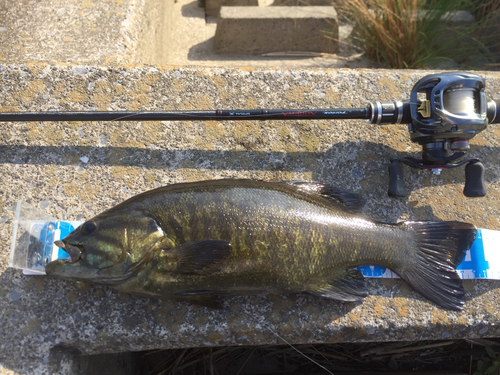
(68, 30)
(46, 162)
(212, 7)
(258, 30)
(92, 32)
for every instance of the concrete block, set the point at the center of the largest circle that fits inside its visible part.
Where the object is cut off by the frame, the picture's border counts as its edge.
(212, 7)
(259, 30)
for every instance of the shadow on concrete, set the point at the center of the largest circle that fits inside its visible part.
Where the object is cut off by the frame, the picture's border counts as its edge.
(64, 358)
(193, 10)
(204, 51)
(341, 159)
(198, 52)
(211, 20)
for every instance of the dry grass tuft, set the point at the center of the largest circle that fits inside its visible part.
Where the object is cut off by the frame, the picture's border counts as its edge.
(484, 9)
(407, 33)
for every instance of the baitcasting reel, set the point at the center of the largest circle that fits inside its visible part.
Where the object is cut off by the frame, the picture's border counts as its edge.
(444, 112)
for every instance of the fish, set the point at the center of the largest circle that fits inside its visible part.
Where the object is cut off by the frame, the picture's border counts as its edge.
(202, 242)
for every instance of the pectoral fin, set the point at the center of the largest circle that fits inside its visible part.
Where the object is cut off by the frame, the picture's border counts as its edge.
(352, 287)
(207, 298)
(201, 257)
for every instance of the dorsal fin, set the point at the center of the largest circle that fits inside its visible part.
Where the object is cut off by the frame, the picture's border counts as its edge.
(350, 201)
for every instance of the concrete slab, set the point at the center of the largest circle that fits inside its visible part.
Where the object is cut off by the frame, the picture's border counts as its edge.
(47, 163)
(259, 30)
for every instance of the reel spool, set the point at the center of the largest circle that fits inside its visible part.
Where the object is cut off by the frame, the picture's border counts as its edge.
(460, 101)
(447, 106)
(445, 111)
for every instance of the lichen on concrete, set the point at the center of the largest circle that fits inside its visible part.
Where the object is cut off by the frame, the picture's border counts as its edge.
(76, 170)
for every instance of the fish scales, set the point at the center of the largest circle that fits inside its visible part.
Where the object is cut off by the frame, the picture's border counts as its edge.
(273, 218)
(197, 241)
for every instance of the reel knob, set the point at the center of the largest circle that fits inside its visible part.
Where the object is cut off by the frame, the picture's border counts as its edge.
(396, 182)
(474, 180)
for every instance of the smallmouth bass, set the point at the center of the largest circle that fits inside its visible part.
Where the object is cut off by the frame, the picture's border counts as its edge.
(198, 241)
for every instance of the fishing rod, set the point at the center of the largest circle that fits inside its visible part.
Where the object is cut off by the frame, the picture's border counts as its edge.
(444, 112)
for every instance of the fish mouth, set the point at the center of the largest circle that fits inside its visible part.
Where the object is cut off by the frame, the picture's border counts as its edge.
(74, 251)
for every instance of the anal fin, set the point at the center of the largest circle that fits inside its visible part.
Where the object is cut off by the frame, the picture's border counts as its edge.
(351, 288)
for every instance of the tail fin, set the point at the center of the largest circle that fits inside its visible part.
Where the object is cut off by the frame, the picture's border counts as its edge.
(440, 247)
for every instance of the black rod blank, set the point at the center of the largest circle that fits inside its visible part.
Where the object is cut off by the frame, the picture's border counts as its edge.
(254, 114)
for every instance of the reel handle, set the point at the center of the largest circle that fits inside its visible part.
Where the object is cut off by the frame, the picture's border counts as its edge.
(493, 111)
(474, 180)
(396, 182)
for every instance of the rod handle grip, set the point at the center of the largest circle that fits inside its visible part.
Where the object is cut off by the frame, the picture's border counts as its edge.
(396, 181)
(474, 180)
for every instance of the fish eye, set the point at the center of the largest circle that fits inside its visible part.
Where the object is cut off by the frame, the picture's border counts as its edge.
(88, 227)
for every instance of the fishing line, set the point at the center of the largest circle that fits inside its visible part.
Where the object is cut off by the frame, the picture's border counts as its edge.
(460, 101)
(265, 325)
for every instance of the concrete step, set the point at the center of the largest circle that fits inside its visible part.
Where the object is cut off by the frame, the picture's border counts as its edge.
(259, 30)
